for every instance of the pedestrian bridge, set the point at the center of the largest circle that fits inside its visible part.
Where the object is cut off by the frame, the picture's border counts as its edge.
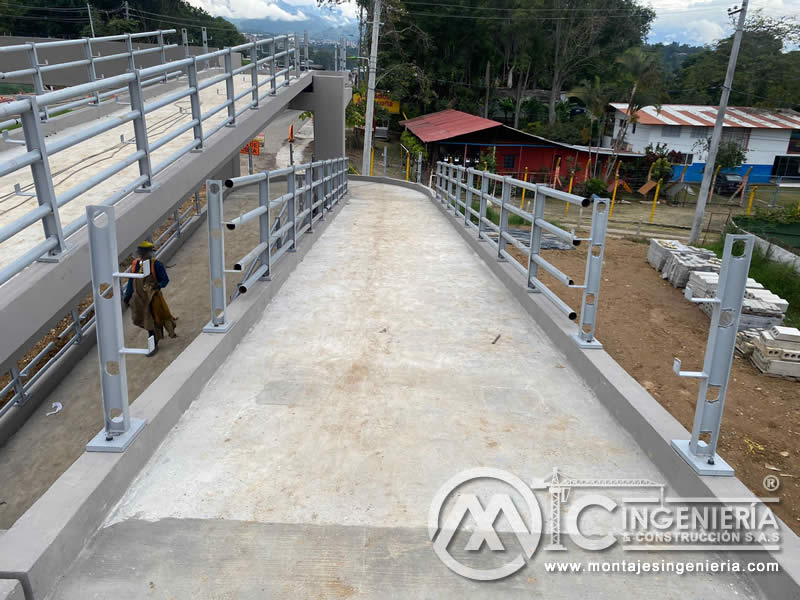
(299, 454)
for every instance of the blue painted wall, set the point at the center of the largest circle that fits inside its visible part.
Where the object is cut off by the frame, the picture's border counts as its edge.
(694, 174)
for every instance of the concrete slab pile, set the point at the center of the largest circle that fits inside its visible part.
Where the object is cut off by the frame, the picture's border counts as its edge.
(761, 309)
(774, 351)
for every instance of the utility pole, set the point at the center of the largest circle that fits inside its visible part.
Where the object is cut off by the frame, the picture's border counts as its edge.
(373, 59)
(91, 23)
(716, 136)
(127, 10)
(359, 53)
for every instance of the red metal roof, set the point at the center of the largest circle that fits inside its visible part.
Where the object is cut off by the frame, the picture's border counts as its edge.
(446, 124)
(704, 116)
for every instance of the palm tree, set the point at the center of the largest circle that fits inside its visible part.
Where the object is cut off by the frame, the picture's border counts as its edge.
(642, 67)
(595, 97)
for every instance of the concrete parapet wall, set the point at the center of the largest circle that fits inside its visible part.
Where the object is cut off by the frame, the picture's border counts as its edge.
(48, 537)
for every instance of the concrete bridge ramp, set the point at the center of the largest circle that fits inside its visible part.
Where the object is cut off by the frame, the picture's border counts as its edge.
(391, 360)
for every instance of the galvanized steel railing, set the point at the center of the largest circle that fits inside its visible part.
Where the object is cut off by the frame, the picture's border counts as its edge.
(322, 184)
(455, 187)
(283, 58)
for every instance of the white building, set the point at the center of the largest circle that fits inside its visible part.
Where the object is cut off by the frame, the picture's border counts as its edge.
(771, 138)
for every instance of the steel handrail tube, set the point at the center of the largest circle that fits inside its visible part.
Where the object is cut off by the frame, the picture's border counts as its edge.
(168, 99)
(246, 217)
(237, 182)
(110, 201)
(558, 302)
(250, 256)
(63, 142)
(553, 270)
(19, 162)
(561, 195)
(26, 220)
(558, 232)
(176, 155)
(175, 134)
(97, 178)
(27, 258)
(82, 89)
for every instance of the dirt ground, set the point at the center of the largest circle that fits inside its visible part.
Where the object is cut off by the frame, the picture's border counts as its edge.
(644, 323)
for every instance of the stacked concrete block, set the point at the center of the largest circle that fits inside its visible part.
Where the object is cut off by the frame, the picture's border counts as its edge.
(776, 351)
(660, 250)
(679, 265)
(761, 308)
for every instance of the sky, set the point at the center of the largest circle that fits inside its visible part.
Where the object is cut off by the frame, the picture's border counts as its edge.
(695, 22)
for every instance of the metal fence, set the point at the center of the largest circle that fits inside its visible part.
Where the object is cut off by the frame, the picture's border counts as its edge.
(81, 320)
(281, 55)
(455, 186)
(312, 189)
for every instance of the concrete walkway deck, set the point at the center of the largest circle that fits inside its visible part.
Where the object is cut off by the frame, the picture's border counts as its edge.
(391, 360)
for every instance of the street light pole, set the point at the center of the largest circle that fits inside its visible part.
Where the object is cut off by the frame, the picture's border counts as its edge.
(716, 136)
(373, 59)
(91, 23)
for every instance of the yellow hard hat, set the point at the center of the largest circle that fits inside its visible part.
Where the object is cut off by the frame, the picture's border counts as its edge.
(146, 244)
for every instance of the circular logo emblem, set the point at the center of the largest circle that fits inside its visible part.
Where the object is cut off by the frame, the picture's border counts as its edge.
(443, 527)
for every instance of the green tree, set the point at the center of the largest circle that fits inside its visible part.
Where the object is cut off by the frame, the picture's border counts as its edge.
(595, 97)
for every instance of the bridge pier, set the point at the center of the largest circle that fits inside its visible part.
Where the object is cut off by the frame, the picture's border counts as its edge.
(327, 98)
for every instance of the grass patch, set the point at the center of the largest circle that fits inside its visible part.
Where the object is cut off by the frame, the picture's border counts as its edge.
(493, 214)
(779, 278)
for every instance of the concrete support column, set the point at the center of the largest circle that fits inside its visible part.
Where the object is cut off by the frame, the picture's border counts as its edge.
(327, 102)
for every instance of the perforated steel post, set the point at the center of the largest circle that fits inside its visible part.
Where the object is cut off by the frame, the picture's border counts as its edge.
(88, 53)
(38, 84)
(230, 92)
(305, 49)
(297, 54)
(505, 200)
(273, 67)
(162, 51)
(309, 197)
(419, 167)
(140, 131)
(119, 428)
(185, 42)
(594, 267)
(535, 246)
(216, 258)
(291, 206)
(204, 35)
(384, 160)
(194, 101)
(263, 226)
(484, 192)
(468, 196)
(254, 76)
(715, 376)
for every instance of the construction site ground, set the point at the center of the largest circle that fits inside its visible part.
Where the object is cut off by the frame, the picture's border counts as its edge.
(644, 323)
(48, 444)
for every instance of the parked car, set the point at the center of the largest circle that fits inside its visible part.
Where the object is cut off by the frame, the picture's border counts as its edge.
(727, 183)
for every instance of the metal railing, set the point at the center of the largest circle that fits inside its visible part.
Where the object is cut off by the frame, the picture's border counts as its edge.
(283, 60)
(321, 185)
(455, 187)
(81, 321)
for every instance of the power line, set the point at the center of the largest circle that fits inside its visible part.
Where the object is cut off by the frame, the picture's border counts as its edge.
(27, 7)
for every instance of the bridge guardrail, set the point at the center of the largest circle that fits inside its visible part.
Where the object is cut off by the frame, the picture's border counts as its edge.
(283, 59)
(323, 183)
(455, 186)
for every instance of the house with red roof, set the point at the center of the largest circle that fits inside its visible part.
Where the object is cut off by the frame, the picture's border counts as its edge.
(770, 138)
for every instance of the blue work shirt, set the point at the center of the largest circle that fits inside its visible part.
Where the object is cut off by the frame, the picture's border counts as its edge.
(158, 270)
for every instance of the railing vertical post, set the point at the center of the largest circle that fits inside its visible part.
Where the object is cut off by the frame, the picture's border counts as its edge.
(204, 34)
(229, 89)
(140, 131)
(254, 75)
(305, 48)
(286, 61)
(346, 173)
(90, 68)
(457, 189)
(309, 196)
(38, 83)
(216, 258)
(419, 167)
(264, 232)
(42, 179)
(176, 216)
(594, 266)
(468, 196)
(318, 175)
(484, 191)
(19, 388)
(505, 200)
(273, 67)
(291, 206)
(119, 428)
(194, 101)
(197, 203)
(535, 246)
(384, 160)
(185, 42)
(715, 376)
(449, 186)
(297, 54)
(129, 50)
(162, 51)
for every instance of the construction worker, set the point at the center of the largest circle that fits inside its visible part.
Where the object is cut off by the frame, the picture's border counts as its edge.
(149, 309)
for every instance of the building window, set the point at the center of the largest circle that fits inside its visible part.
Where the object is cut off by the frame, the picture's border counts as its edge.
(508, 161)
(700, 133)
(738, 135)
(670, 131)
(794, 142)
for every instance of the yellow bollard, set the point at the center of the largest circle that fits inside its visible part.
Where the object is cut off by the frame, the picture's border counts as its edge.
(750, 202)
(371, 161)
(569, 191)
(525, 179)
(408, 163)
(655, 200)
(613, 198)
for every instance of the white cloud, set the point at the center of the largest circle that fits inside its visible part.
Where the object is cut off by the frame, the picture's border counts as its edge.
(249, 9)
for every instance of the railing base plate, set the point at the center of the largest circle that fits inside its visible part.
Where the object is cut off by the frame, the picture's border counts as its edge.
(223, 328)
(118, 443)
(594, 344)
(700, 463)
